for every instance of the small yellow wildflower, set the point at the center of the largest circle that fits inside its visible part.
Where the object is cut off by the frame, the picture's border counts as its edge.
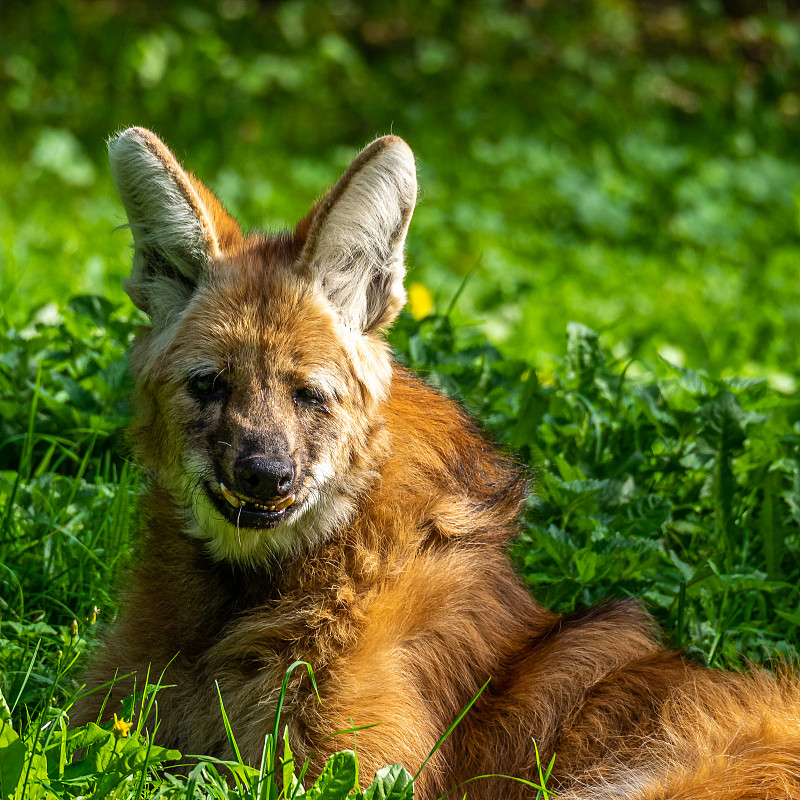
(121, 728)
(73, 628)
(93, 617)
(420, 301)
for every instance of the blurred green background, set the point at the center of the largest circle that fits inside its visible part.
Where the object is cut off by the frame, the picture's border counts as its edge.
(626, 164)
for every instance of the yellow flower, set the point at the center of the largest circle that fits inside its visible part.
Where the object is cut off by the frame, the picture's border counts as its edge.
(420, 301)
(93, 617)
(121, 728)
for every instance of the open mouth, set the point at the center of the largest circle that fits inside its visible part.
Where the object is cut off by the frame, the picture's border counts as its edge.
(244, 512)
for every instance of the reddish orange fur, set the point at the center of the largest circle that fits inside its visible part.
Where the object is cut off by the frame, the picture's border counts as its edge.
(407, 610)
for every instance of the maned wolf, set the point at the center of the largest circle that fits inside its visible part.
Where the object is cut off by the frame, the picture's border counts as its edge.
(309, 499)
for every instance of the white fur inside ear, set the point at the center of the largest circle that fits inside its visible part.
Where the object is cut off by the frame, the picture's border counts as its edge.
(357, 248)
(172, 233)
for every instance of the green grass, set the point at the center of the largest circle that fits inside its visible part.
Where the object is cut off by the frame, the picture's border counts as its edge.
(630, 168)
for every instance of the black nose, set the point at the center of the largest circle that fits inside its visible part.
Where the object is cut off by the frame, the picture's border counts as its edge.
(264, 478)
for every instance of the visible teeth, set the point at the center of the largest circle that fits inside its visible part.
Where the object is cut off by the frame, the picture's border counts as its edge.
(238, 502)
(287, 501)
(279, 506)
(235, 501)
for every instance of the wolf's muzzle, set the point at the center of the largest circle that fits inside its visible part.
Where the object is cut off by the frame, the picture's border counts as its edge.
(263, 478)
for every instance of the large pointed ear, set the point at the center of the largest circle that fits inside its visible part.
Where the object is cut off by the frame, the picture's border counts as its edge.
(179, 227)
(354, 248)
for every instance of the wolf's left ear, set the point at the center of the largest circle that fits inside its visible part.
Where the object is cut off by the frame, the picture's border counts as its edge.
(179, 227)
(354, 246)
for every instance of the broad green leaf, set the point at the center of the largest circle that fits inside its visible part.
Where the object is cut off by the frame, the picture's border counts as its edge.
(337, 779)
(393, 782)
(13, 756)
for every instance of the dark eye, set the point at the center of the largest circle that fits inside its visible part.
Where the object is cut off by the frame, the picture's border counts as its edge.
(208, 386)
(306, 396)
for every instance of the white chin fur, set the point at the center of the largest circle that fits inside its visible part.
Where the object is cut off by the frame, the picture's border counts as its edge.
(314, 521)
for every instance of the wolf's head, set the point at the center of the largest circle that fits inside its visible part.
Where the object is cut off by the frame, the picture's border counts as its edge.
(259, 381)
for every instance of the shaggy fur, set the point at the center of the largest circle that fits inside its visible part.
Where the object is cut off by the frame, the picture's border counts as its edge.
(376, 552)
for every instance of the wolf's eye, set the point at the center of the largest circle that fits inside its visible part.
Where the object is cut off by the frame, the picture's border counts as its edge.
(306, 396)
(208, 386)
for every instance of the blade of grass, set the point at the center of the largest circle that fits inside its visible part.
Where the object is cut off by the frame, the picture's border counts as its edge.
(282, 695)
(451, 728)
(27, 450)
(27, 675)
(228, 729)
(140, 786)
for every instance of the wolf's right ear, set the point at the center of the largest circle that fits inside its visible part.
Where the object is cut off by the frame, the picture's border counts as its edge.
(178, 224)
